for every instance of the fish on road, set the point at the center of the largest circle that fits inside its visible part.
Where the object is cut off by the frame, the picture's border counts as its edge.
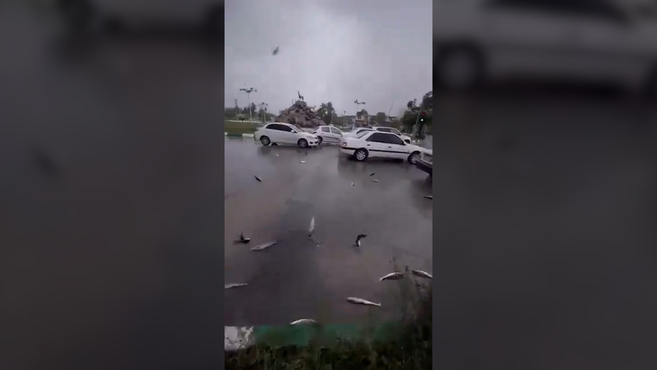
(243, 239)
(312, 227)
(429, 196)
(375, 180)
(303, 321)
(257, 178)
(392, 276)
(362, 301)
(235, 285)
(358, 238)
(263, 246)
(422, 274)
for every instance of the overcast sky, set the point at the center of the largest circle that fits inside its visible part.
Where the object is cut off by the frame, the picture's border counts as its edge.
(376, 51)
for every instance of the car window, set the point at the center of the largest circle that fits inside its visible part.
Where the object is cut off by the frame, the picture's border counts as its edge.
(336, 131)
(286, 128)
(325, 129)
(395, 132)
(393, 139)
(378, 138)
(362, 133)
(273, 126)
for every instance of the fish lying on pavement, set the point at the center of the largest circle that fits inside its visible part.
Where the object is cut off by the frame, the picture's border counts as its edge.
(312, 226)
(303, 321)
(236, 285)
(352, 184)
(358, 238)
(302, 162)
(257, 178)
(392, 276)
(362, 301)
(243, 239)
(375, 180)
(263, 246)
(372, 174)
(429, 196)
(276, 154)
(423, 274)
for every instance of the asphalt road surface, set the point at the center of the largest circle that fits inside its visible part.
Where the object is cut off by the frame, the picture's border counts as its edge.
(298, 278)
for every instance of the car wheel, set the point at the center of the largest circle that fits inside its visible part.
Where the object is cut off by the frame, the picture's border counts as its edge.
(78, 14)
(303, 143)
(459, 68)
(413, 157)
(360, 155)
(320, 139)
(265, 140)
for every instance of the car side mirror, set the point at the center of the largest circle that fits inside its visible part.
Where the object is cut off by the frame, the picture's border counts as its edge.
(294, 131)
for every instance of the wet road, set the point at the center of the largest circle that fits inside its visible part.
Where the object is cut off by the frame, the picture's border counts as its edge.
(295, 278)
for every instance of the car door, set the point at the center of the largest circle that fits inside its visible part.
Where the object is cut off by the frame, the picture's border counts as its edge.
(288, 134)
(337, 135)
(325, 133)
(396, 148)
(376, 144)
(529, 37)
(273, 132)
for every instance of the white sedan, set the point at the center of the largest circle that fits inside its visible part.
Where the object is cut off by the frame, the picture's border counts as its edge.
(328, 134)
(285, 133)
(407, 139)
(375, 144)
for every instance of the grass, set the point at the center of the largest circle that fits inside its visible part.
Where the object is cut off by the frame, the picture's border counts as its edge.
(408, 346)
(236, 127)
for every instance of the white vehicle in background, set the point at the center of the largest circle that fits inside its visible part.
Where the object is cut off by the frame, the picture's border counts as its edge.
(285, 133)
(393, 130)
(356, 132)
(577, 40)
(374, 144)
(328, 134)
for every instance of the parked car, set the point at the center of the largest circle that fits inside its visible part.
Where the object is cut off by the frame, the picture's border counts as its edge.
(328, 134)
(356, 132)
(407, 139)
(285, 133)
(375, 144)
(425, 162)
(86, 14)
(601, 41)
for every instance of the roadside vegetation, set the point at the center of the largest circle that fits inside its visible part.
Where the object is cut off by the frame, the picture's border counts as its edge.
(408, 346)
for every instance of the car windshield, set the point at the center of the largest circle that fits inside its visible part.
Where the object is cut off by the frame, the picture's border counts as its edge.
(297, 128)
(362, 133)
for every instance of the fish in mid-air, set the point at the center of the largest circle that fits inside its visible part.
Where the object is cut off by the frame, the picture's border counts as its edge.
(263, 246)
(423, 274)
(275, 52)
(358, 238)
(303, 321)
(362, 301)
(392, 276)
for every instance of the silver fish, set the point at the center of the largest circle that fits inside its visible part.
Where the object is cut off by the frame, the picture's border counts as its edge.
(312, 226)
(303, 321)
(372, 174)
(257, 178)
(358, 238)
(302, 162)
(423, 274)
(429, 196)
(362, 301)
(276, 154)
(375, 180)
(352, 184)
(236, 285)
(392, 276)
(263, 246)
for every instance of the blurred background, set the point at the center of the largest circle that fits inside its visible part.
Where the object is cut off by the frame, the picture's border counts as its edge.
(545, 238)
(108, 201)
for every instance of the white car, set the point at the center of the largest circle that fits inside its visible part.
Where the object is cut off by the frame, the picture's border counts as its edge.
(285, 133)
(91, 13)
(407, 139)
(356, 132)
(328, 134)
(375, 144)
(606, 41)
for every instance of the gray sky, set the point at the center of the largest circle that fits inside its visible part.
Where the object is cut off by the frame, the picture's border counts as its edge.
(376, 51)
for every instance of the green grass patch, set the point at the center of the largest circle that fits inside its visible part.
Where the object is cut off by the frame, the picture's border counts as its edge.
(405, 344)
(237, 127)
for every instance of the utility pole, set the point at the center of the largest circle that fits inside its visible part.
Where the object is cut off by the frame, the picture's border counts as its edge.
(248, 99)
(264, 106)
(358, 104)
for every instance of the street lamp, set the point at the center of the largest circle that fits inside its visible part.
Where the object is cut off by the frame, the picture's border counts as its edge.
(358, 104)
(248, 99)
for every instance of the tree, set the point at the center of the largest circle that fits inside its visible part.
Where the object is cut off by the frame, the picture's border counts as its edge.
(253, 108)
(380, 118)
(363, 112)
(325, 112)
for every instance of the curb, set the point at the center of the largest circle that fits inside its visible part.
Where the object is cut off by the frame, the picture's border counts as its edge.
(227, 134)
(236, 338)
